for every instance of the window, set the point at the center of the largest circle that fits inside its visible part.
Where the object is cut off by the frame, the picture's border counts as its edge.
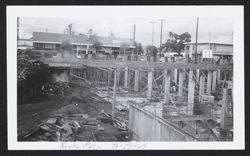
(48, 46)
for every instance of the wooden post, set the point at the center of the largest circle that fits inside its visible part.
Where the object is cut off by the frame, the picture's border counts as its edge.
(136, 86)
(175, 75)
(166, 86)
(126, 78)
(224, 107)
(150, 84)
(214, 80)
(202, 86)
(181, 79)
(191, 89)
(209, 80)
(114, 94)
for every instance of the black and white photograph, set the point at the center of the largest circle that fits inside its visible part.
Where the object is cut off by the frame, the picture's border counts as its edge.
(125, 77)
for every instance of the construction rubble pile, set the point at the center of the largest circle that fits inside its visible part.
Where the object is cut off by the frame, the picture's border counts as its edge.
(55, 88)
(26, 66)
(78, 127)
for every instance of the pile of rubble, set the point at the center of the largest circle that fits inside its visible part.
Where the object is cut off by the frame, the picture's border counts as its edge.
(55, 88)
(78, 127)
(26, 66)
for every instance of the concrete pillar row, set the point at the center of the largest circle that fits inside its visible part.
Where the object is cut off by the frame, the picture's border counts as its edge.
(175, 75)
(197, 74)
(209, 82)
(126, 78)
(214, 80)
(224, 107)
(202, 87)
(166, 86)
(181, 79)
(191, 89)
(218, 76)
(150, 84)
(137, 75)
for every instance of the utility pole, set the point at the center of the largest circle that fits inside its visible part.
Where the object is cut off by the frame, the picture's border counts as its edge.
(18, 28)
(196, 49)
(134, 41)
(152, 32)
(162, 20)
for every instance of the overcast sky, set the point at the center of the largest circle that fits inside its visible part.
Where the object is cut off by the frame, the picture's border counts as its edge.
(213, 29)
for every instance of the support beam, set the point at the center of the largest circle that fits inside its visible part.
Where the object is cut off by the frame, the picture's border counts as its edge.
(209, 82)
(136, 86)
(126, 78)
(202, 86)
(114, 94)
(175, 75)
(166, 86)
(224, 107)
(150, 84)
(214, 80)
(191, 85)
(181, 79)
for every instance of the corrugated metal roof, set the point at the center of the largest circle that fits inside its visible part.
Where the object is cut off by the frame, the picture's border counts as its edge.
(78, 39)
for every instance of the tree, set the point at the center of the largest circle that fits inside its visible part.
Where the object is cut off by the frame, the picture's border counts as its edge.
(66, 47)
(138, 48)
(176, 42)
(151, 50)
(124, 47)
(97, 45)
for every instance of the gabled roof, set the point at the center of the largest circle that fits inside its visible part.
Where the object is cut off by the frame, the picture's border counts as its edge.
(78, 39)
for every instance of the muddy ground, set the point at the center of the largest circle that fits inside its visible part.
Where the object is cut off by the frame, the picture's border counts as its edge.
(79, 100)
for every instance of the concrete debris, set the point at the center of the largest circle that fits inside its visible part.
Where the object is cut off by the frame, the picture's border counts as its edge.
(56, 88)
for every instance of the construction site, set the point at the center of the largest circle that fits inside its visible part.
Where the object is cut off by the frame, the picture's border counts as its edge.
(71, 94)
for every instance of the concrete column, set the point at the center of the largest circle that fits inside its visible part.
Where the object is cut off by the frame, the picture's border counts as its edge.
(150, 84)
(197, 74)
(218, 76)
(109, 77)
(190, 76)
(224, 108)
(191, 85)
(214, 80)
(126, 78)
(209, 81)
(136, 86)
(114, 94)
(175, 75)
(202, 86)
(118, 77)
(166, 86)
(181, 79)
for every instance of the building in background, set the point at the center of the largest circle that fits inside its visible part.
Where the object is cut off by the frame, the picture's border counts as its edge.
(222, 52)
(52, 44)
(23, 44)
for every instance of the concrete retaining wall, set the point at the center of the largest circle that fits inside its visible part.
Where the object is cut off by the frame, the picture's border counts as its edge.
(149, 127)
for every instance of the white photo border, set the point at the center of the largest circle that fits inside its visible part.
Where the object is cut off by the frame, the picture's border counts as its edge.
(236, 13)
